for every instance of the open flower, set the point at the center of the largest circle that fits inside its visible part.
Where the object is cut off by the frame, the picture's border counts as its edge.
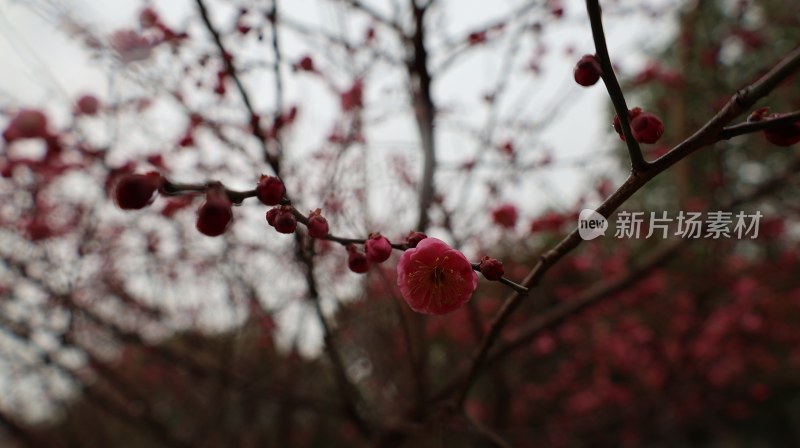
(435, 278)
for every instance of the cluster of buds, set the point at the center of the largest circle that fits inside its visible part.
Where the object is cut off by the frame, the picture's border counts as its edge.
(431, 269)
(377, 249)
(645, 127)
(215, 214)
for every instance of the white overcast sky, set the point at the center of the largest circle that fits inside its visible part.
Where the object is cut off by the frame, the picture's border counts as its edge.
(40, 65)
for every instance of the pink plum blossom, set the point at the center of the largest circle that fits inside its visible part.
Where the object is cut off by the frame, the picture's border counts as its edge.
(434, 278)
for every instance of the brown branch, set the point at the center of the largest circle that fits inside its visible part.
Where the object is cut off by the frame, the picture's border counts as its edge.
(707, 135)
(169, 188)
(755, 126)
(743, 100)
(612, 85)
(599, 291)
(553, 316)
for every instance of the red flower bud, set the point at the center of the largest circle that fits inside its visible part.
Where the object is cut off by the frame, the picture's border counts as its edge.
(272, 214)
(379, 249)
(215, 214)
(270, 190)
(414, 238)
(317, 225)
(633, 113)
(587, 71)
(784, 135)
(284, 221)
(306, 63)
(356, 260)
(136, 191)
(647, 128)
(491, 268)
(88, 105)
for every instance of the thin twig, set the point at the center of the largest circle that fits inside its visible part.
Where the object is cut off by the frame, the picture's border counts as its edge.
(276, 49)
(612, 85)
(506, 281)
(755, 126)
(258, 133)
(169, 188)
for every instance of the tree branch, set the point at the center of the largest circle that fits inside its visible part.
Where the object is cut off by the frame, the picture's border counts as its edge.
(612, 85)
(755, 126)
(710, 133)
(601, 290)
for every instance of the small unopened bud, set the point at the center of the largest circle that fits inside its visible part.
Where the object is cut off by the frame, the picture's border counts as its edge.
(491, 268)
(215, 214)
(378, 248)
(317, 225)
(270, 190)
(136, 191)
(283, 219)
(414, 238)
(356, 260)
(587, 71)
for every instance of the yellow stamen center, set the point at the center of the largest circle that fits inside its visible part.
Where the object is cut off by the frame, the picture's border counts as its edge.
(438, 286)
